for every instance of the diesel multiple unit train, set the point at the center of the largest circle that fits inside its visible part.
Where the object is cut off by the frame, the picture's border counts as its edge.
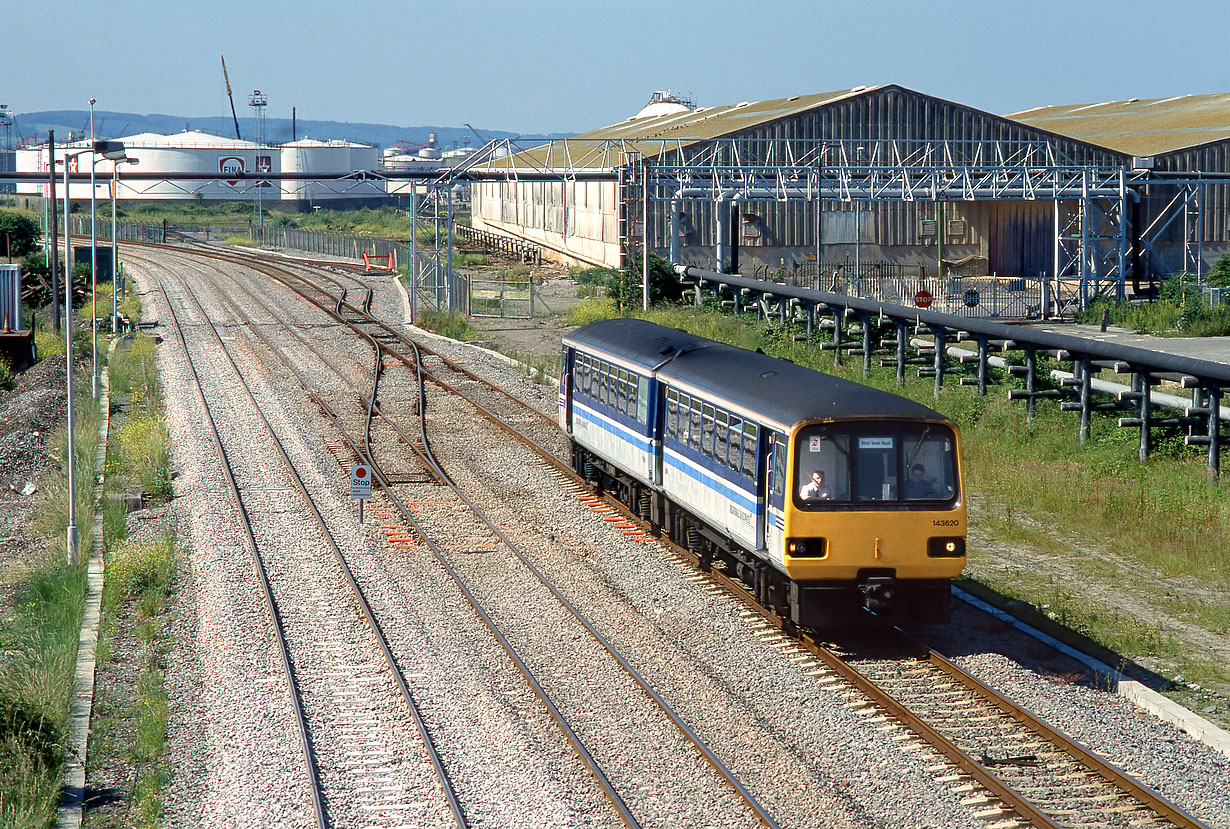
(828, 498)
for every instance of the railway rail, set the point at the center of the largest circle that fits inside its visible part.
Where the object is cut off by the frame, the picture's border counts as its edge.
(277, 613)
(921, 695)
(445, 523)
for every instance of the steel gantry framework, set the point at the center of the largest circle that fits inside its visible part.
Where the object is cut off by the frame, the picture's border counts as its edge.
(1092, 238)
(1092, 235)
(1091, 242)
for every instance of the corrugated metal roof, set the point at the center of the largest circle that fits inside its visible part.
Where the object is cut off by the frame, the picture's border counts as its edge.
(1139, 127)
(717, 121)
(693, 125)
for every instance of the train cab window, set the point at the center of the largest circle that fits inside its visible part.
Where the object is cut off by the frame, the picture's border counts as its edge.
(641, 399)
(900, 463)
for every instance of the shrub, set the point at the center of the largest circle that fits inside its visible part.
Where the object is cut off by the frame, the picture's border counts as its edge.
(137, 570)
(21, 232)
(593, 310)
(143, 441)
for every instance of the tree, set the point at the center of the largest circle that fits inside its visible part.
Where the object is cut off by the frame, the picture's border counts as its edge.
(625, 286)
(19, 233)
(1219, 275)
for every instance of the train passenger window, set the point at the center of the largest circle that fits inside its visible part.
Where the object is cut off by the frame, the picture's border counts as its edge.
(621, 390)
(671, 427)
(735, 457)
(720, 435)
(707, 425)
(694, 428)
(777, 462)
(749, 451)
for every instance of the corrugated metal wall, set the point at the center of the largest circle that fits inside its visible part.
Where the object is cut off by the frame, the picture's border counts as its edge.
(1211, 158)
(891, 114)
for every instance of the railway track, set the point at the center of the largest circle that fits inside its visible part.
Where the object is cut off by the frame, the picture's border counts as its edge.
(1014, 768)
(334, 713)
(456, 516)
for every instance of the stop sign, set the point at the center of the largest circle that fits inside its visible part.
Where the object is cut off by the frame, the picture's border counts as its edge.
(923, 299)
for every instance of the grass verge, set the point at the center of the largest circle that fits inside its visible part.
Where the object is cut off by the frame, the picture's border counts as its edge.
(38, 637)
(127, 741)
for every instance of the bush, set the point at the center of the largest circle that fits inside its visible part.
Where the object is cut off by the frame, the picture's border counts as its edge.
(1219, 275)
(1179, 309)
(20, 231)
(593, 310)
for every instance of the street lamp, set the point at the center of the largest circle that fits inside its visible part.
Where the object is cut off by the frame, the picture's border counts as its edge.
(93, 263)
(115, 241)
(112, 150)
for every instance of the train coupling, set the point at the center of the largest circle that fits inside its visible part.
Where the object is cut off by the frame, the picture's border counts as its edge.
(879, 593)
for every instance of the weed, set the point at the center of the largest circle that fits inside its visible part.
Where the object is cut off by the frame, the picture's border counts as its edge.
(140, 570)
(593, 310)
(449, 324)
(145, 444)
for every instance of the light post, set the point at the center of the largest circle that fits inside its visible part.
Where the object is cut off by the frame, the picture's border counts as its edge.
(112, 150)
(93, 263)
(115, 241)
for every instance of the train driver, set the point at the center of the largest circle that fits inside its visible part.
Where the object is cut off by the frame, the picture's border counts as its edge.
(918, 486)
(815, 490)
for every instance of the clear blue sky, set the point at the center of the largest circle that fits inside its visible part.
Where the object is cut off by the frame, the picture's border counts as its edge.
(551, 66)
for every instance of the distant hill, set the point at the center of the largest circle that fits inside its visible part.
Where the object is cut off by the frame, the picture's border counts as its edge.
(277, 130)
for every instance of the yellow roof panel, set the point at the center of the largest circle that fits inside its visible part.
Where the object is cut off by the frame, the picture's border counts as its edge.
(1138, 127)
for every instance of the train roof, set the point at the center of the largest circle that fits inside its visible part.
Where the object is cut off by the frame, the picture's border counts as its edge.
(775, 389)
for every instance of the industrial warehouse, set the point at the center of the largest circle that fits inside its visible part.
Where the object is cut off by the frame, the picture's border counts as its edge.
(882, 179)
(842, 188)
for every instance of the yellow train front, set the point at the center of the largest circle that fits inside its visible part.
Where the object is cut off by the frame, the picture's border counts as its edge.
(836, 503)
(869, 515)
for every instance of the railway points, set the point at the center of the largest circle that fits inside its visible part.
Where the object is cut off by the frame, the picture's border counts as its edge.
(791, 736)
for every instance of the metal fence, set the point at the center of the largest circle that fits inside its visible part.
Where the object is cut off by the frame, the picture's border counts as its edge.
(989, 297)
(432, 289)
(501, 296)
(335, 244)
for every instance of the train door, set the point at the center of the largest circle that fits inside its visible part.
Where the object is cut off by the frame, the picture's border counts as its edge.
(775, 497)
(565, 390)
(650, 392)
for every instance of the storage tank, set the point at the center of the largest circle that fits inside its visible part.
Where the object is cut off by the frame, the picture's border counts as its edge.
(332, 160)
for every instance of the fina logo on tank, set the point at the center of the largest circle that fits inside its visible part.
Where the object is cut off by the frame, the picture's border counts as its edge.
(264, 164)
(231, 164)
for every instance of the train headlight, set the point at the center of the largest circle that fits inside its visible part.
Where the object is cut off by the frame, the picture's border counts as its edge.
(807, 547)
(953, 547)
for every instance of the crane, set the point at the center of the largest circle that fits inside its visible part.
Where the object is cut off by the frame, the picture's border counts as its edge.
(230, 98)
